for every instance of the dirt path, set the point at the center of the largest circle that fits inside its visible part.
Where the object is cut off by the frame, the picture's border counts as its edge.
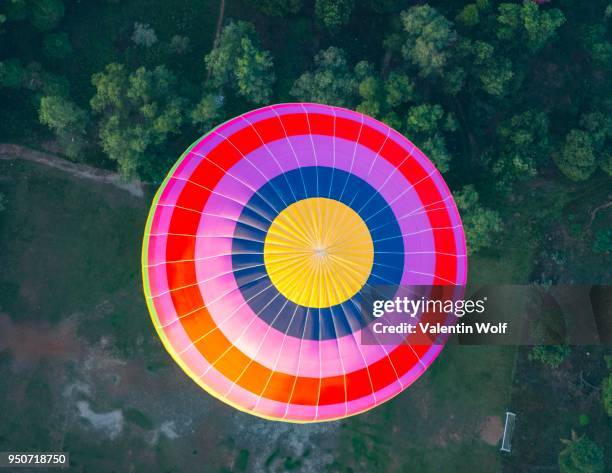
(10, 151)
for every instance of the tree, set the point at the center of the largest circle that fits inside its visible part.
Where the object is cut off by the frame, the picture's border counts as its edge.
(495, 76)
(599, 126)
(68, 121)
(334, 13)
(253, 74)
(370, 89)
(139, 112)
(490, 69)
(57, 46)
(46, 14)
(468, 16)
(523, 142)
(144, 35)
(424, 125)
(581, 455)
(179, 44)
(207, 110)
(594, 38)
(380, 97)
(587, 148)
(331, 82)
(238, 62)
(550, 355)
(428, 36)
(577, 159)
(277, 7)
(400, 89)
(481, 225)
(527, 24)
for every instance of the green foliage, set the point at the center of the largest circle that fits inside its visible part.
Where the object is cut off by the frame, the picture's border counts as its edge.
(253, 73)
(469, 16)
(238, 62)
(277, 7)
(46, 14)
(57, 46)
(207, 111)
(424, 118)
(599, 126)
(481, 51)
(68, 121)
(523, 142)
(587, 148)
(428, 37)
(492, 71)
(481, 225)
(577, 158)
(370, 89)
(496, 75)
(139, 111)
(144, 35)
(527, 24)
(581, 455)
(331, 82)
(179, 44)
(424, 125)
(550, 355)
(334, 13)
(379, 97)
(594, 38)
(584, 420)
(400, 89)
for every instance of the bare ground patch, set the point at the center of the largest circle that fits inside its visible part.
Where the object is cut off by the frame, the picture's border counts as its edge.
(491, 430)
(29, 342)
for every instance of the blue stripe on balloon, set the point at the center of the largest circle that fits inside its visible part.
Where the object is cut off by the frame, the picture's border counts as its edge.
(248, 244)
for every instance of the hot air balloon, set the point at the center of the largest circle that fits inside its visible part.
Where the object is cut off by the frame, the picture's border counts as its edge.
(260, 240)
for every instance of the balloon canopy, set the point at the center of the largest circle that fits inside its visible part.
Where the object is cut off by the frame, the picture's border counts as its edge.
(262, 237)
